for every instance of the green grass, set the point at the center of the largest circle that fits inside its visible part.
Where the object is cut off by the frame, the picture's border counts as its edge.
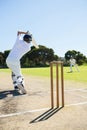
(80, 76)
(45, 72)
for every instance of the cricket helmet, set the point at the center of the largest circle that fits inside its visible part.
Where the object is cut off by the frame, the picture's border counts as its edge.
(27, 38)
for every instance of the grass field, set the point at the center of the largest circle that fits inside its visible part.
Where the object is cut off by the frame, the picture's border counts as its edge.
(80, 76)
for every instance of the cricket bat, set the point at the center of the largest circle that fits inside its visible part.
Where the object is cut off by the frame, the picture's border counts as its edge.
(33, 40)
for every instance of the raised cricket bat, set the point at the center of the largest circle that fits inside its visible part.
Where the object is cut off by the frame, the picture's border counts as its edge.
(33, 40)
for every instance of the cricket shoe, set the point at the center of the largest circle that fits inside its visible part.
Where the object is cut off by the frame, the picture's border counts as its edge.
(21, 87)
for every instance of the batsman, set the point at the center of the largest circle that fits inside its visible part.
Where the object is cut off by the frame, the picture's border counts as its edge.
(20, 48)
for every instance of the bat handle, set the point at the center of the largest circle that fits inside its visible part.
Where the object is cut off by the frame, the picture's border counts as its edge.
(27, 32)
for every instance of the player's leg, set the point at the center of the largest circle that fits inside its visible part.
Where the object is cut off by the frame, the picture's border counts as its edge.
(76, 67)
(20, 80)
(20, 83)
(15, 67)
(14, 78)
(71, 68)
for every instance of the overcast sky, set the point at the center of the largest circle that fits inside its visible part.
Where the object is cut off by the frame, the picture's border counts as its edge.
(57, 24)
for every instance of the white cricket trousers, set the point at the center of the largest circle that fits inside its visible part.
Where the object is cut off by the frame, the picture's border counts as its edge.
(74, 66)
(16, 72)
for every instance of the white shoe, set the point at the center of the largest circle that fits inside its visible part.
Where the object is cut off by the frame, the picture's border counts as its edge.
(21, 87)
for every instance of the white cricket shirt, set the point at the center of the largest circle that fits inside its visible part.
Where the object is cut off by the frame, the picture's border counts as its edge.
(72, 61)
(19, 49)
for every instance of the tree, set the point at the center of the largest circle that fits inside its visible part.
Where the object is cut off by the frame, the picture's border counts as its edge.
(1, 59)
(39, 57)
(6, 53)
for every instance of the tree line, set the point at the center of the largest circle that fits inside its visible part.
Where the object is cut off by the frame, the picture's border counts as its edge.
(42, 56)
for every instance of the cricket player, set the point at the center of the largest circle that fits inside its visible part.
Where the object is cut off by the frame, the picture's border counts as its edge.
(73, 63)
(21, 47)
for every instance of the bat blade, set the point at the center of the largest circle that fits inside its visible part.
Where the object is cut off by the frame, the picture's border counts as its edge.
(34, 43)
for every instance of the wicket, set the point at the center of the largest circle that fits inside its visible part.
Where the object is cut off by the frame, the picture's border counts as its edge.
(57, 64)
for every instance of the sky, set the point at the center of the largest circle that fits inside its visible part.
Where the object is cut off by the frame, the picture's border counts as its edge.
(57, 24)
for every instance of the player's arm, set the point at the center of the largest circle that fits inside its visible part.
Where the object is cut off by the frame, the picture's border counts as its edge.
(21, 32)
